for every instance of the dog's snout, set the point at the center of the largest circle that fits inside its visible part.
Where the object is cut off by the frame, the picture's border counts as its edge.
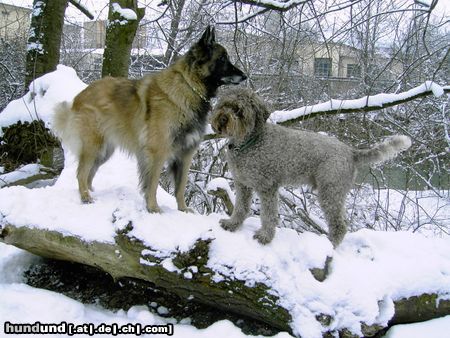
(240, 76)
(219, 124)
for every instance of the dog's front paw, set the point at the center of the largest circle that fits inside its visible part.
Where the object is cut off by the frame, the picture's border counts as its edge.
(229, 225)
(154, 209)
(86, 198)
(264, 236)
(187, 210)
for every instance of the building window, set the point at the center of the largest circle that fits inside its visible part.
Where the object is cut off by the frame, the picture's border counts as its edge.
(322, 67)
(353, 70)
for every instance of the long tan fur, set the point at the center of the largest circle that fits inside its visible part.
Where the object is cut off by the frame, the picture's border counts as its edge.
(158, 118)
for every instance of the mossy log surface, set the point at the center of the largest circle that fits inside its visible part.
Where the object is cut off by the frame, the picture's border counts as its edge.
(130, 257)
(124, 259)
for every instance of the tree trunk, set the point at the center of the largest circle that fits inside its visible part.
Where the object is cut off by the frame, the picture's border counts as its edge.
(176, 8)
(125, 259)
(44, 40)
(129, 257)
(120, 34)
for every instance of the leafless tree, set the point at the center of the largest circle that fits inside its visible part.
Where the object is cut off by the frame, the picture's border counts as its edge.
(120, 34)
(44, 41)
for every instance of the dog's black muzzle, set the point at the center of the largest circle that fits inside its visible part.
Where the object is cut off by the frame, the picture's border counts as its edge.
(233, 75)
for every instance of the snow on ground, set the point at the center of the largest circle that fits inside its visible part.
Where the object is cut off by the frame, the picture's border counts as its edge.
(44, 93)
(404, 264)
(21, 303)
(369, 271)
(22, 173)
(435, 328)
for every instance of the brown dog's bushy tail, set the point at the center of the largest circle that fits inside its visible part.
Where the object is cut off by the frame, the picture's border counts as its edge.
(383, 151)
(64, 128)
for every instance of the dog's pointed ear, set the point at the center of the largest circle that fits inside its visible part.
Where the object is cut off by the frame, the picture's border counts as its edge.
(208, 38)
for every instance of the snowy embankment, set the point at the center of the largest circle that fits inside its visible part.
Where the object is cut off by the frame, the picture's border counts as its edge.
(369, 271)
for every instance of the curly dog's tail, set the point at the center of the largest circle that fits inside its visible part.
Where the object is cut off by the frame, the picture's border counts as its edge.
(383, 151)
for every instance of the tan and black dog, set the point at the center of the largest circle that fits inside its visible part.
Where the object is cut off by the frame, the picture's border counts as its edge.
(158, 118)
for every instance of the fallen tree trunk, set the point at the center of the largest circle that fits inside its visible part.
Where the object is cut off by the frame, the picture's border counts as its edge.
(124, 259)
(129, 257)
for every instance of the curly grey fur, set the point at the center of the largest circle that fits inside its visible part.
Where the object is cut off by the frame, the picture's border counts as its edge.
(262, 157)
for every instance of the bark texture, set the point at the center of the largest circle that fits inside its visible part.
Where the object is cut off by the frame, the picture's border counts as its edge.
(125, 258)
(44, 39)
(120, 34)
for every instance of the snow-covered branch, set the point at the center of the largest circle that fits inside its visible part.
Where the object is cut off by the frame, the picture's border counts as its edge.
(363, 104)
(220, 188)
(25, 175)
(275, 5)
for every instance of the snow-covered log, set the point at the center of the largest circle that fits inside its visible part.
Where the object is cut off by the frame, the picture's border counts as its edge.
(130, 257)
(26, 175)
(189, 277)
(374, 277)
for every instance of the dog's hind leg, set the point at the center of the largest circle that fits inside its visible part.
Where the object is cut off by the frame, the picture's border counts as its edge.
(241, 208)
(90, 150)
(144, 172)
(269, 216)
(332, 202)
(103, 156)
(179, 168)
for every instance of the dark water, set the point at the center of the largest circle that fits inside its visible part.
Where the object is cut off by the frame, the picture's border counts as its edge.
(404, 179)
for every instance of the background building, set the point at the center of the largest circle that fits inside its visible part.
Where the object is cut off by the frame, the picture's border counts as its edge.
(14, 21)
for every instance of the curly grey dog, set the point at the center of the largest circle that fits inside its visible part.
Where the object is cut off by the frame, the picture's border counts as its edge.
(263, 156)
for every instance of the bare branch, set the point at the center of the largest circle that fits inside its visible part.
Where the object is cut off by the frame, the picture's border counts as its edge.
(82, 9)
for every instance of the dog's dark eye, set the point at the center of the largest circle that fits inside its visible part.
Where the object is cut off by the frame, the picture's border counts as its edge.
(223, 120)
(223, 58)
